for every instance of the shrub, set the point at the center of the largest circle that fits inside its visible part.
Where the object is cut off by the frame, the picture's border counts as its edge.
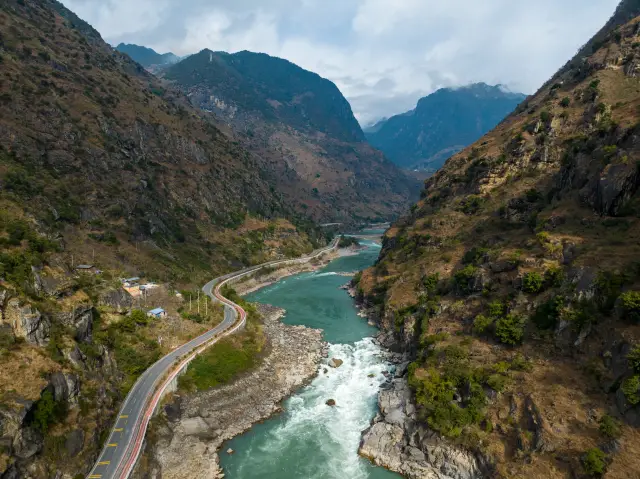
(594, 462)
(497, 382)
(630, 306)
(634, 358)
(497, 309)
(545, 116)
(565, 102)
(474, 255)
(532, 282)
(47, 412)
(431, 282)
(520, 363)
(510, 329)
(553, 277)
(481, 324)
(463, 277)
(547, 314)
(609, 427)
(471, 204)
(139, 317)
(630, 388)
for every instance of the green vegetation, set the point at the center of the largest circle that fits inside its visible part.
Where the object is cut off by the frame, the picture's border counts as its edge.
(553, 277)
(346, 241)
(609, 427)
(565, 102)
(548, 313)
(510, 329)
(594, 462)
(435, 394)
(634, 358)
(471, 204)
(481, 324)
(630, 306)
(532, 282)
(463, 279)
(229, 357)
(48, 411)
(630, 387)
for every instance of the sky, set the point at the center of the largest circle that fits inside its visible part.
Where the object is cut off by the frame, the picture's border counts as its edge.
(383, 54)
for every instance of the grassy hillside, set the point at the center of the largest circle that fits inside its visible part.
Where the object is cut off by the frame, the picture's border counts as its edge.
(514, 282)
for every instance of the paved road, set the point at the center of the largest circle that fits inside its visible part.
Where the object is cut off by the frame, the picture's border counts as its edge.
(121, 450)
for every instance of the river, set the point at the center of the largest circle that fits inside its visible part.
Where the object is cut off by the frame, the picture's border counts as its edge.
(311, 440)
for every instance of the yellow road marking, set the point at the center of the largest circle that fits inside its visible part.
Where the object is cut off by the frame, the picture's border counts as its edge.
(118, 430)
(104, 463)
(124, 417)
(113, 444)
(94, 476)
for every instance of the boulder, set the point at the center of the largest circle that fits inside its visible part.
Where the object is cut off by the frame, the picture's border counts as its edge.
(74, 442)
(27, 443)
(81, 320)
(330, 402)
(27, 322)
(64, 387)
(335, 363)
(230, 451)
(118, 300)
(195, 426)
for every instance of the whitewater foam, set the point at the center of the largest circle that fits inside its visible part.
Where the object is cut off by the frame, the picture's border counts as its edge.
(333, 433)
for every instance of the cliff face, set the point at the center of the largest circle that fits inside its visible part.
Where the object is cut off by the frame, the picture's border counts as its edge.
(513, 283)
(299, 128)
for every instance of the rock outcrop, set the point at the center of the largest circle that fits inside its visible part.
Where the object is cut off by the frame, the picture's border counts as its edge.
(196, 426)
(27, 322)
(397, 441)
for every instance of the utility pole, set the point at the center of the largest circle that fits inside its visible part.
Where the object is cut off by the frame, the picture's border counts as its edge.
(198, 301)
(206, 307)
(189, 302)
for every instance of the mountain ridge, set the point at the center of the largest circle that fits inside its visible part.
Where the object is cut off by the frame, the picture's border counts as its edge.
(511, 285)
(280, 111)
(447, 118)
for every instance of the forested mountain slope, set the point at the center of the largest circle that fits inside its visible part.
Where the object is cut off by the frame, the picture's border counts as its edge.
(301, 129)
(100, 165)
(514, 282)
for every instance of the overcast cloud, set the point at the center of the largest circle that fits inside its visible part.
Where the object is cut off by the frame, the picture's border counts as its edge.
(383, 54)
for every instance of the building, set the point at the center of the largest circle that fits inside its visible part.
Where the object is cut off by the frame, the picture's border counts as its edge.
(130, 282)
(157, 313)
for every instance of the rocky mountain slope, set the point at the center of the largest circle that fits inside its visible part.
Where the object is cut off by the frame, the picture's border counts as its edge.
(100, 164)
(513, 285)
(299, 127)
(147, 57)
(442, 124)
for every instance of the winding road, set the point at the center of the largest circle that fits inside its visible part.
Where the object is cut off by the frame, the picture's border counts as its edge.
(124, 444)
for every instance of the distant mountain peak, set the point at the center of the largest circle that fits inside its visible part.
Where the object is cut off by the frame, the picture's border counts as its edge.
(146, 56)
(441, 123)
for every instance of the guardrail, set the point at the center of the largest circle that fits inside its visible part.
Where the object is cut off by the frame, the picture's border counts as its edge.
(133, 450)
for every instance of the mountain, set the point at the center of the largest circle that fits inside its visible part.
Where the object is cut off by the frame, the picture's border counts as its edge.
(302, 127)
(513, 287)
(442, 124)
(147, 57)
(106, 173)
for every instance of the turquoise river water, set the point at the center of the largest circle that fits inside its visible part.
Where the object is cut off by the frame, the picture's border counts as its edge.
(311, 440)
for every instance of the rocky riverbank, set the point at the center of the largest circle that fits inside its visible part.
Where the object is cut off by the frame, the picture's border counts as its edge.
(190, 429)
(396, 439)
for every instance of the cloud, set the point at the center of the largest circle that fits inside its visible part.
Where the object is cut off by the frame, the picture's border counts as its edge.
(384, 55)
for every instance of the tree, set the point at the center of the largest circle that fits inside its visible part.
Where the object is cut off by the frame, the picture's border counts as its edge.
(594, 462)
(510, 329)
(139, 317)
(532, 282)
